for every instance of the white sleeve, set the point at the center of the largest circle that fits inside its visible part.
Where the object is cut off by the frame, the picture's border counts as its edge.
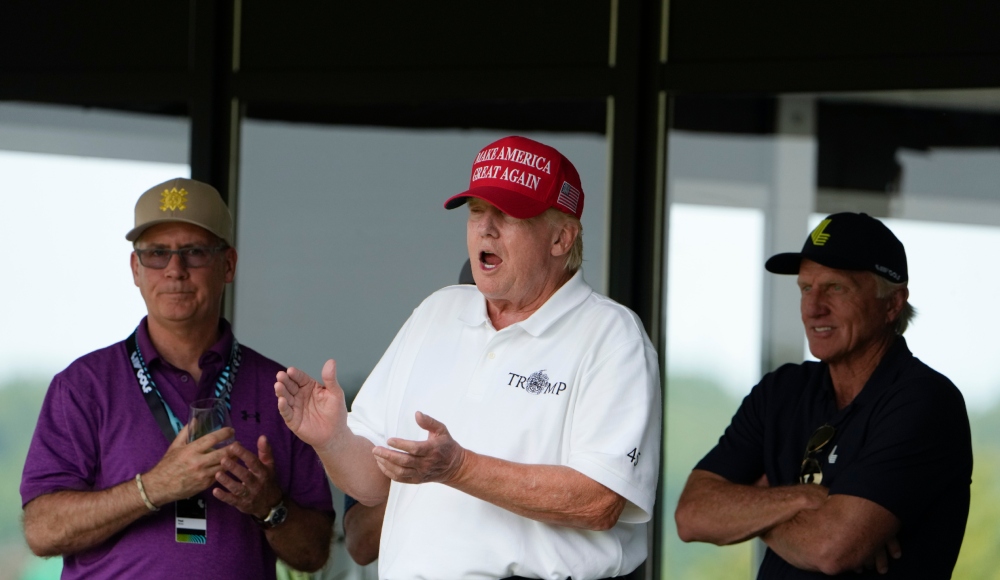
(615, 437)
(371, 407)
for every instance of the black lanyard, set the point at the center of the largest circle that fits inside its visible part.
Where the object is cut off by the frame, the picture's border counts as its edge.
(169, 424)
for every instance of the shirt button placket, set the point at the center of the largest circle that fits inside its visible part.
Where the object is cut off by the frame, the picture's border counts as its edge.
(484, 370)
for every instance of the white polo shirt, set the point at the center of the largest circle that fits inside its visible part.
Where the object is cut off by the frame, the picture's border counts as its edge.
(576, 384)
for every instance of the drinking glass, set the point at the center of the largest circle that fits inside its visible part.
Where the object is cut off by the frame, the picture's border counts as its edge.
(208, 415)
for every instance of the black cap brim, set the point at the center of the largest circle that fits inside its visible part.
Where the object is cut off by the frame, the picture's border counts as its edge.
(787, 263)
(790, 262)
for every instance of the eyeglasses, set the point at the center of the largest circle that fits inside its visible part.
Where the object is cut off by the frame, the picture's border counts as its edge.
(811, 471)
(193, 257)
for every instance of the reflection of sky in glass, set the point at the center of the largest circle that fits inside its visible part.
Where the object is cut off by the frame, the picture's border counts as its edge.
(953, 277)
(715, 270)
(714, 297)
(67, 288)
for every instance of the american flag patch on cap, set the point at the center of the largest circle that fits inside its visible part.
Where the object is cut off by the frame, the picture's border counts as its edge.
(569, 197)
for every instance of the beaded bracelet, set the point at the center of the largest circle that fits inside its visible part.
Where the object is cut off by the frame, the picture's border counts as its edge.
(142, 492)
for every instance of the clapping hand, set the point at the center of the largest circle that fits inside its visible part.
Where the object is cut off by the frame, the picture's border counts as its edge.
(314, 411)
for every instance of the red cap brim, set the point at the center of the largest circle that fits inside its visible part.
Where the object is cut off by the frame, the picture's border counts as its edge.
(510, 202)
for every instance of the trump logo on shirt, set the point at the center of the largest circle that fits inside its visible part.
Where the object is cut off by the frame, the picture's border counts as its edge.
(537, 383)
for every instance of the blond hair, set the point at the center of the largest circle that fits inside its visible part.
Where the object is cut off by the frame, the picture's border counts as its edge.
(884, 289)
(558, 219)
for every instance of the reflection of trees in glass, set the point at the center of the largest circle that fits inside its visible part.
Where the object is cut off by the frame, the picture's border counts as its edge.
(980, 557)
(20, 401)
(698, 411)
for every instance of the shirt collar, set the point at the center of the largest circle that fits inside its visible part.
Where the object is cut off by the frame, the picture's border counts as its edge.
(566, 298)
(216, 354)
(474, 312)
(886, 372)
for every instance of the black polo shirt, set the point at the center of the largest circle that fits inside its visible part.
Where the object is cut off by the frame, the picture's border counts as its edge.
(903, 443)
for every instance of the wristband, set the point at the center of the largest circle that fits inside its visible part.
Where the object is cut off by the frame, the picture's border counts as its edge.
(142, 492)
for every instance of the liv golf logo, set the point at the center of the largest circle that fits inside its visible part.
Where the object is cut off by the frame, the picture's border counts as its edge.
(140, 374)
(536, 384)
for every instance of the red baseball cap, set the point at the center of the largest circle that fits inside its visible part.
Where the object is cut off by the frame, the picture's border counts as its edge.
(523, 178)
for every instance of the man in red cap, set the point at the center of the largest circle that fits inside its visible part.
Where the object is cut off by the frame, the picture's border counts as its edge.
(862, 460)
(524, 411)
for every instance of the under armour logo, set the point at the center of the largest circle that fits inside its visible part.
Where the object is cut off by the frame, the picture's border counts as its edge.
(246, 416)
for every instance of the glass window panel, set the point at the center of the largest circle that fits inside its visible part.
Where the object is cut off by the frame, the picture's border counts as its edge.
(71, 179)
(69, 250)
(342, 232)
(954, 332)
(714, 286)
(925, 163)
(947, 215)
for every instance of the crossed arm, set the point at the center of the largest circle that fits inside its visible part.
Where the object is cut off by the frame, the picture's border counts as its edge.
(801, 523)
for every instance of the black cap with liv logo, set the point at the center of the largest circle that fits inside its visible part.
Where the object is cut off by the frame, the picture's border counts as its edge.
(848, 241)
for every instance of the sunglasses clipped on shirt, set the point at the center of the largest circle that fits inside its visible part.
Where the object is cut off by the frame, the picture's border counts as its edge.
(811, 471)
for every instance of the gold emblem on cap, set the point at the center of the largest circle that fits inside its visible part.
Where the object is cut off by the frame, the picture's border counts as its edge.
(817, 235)
(173, 199)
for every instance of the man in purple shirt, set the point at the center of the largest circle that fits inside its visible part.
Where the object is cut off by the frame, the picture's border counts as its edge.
(111, 482)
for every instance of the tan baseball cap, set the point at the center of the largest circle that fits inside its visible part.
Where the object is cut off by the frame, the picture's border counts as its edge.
(183, 200)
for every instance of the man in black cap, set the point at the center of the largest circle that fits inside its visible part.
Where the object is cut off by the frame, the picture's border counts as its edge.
(859, 462)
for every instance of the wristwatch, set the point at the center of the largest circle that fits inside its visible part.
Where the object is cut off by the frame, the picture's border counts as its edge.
(274, 518)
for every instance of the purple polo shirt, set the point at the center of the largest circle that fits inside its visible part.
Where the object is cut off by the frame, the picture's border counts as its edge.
(95, 431)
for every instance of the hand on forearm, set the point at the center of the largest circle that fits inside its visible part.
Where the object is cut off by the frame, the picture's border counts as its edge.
(715, 510)
(879, 560)
(846, 533)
